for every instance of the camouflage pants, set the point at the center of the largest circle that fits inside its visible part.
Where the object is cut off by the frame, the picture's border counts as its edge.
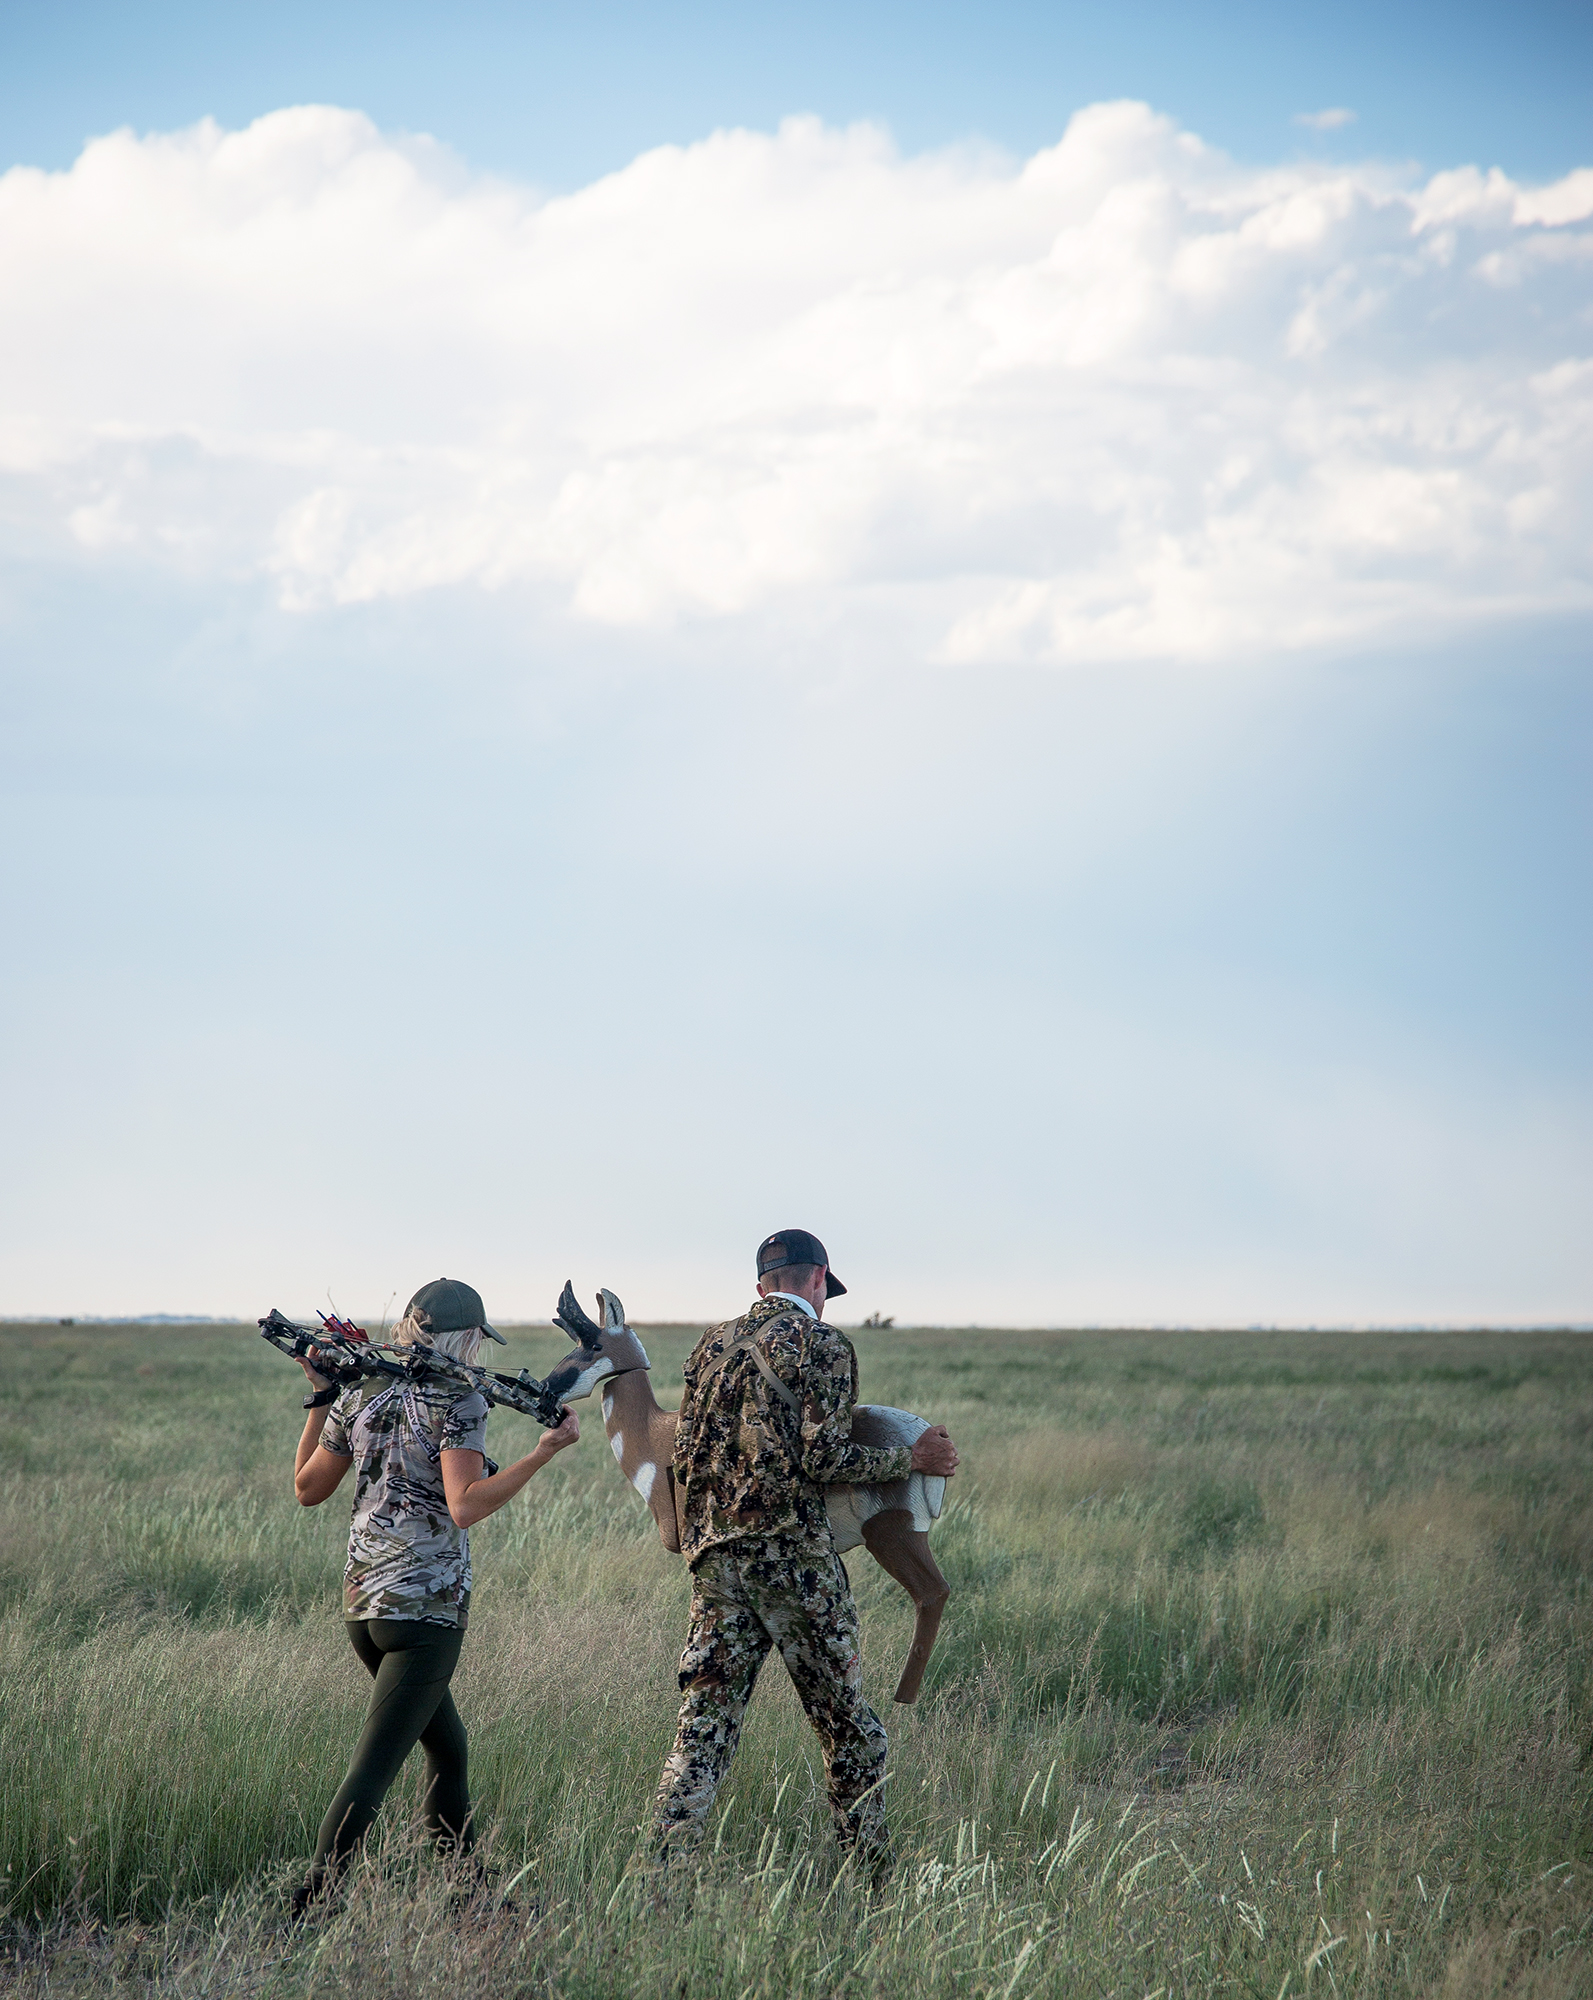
(746, 1599)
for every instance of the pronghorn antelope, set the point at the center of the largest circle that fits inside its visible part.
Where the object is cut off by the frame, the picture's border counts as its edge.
(892, 1522)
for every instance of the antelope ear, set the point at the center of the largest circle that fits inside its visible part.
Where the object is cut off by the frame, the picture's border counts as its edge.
(568, 1315)
(613, 1311)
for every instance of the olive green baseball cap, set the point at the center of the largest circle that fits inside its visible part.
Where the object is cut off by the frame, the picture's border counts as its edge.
(449, 1305)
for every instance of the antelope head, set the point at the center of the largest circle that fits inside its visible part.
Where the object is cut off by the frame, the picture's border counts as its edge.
(609, 1349)
(640, 1434)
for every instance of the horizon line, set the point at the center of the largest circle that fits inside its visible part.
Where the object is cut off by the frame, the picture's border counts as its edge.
(909, 1326)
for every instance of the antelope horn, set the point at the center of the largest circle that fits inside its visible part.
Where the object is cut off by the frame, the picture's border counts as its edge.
(573, 1320)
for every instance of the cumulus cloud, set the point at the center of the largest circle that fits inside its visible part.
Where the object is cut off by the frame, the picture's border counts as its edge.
(1124, 398)
(1334, 119)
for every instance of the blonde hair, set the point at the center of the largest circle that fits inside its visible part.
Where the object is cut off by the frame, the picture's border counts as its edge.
(464, 1344)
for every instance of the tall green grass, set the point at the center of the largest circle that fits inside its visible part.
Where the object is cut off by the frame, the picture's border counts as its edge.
(1267, 1668)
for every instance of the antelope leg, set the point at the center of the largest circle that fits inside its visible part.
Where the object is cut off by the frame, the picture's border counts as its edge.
(902, 1552)
(661, 1430)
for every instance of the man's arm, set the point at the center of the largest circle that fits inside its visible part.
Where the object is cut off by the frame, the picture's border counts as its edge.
(683, 1420)
(829, 1456)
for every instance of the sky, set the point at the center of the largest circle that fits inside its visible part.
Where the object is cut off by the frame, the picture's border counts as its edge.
(966, 630)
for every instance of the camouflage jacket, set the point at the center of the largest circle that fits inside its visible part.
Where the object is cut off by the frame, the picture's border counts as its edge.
(406, 1559)
(765, 1425)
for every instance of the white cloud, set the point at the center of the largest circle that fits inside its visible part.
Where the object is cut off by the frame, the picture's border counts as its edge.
(1334, 119)
(1568, 200)
(1124, 399)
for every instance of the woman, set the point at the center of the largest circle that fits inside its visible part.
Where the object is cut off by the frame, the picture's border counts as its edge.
(422, 1479)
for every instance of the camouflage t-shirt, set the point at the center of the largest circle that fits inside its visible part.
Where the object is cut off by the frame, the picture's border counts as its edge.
(406, 1558)
(752, 1458)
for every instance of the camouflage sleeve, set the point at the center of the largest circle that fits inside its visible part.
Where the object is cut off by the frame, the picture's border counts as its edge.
(683, 1429)
(465, 1426)
(828, 1392)
(334, 1432)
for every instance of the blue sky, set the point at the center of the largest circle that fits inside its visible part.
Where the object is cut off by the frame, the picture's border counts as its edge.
(559, 95)
(995, 671)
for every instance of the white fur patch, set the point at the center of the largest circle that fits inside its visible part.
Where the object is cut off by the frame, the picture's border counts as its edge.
(589, 1378)
(608, 1404)
(926, 1492)
(643, 1482)
(848, 1508)
(616, 1444)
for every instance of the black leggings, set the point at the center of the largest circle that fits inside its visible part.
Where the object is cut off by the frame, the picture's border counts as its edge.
(411, 1661)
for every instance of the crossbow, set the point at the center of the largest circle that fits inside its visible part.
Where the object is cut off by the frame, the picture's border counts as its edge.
(337, 1349)
(522, 1392)
(346, 1354)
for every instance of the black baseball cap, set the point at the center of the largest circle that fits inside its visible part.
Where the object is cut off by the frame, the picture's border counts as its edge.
(797, 1246)
(449, 1305)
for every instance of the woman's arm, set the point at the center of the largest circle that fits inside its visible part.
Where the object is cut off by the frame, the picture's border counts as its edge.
(472, 1498)
(316, 1473)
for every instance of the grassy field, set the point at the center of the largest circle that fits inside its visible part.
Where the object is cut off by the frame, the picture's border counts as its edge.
(1267, 1672)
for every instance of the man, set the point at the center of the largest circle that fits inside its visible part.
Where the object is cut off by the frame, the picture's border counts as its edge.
(765, 1425)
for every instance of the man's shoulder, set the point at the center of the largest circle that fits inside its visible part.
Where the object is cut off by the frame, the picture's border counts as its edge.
(779, 1316)
(713, 1341)
(759, 1317)
(833, 1354)
(772, 1324)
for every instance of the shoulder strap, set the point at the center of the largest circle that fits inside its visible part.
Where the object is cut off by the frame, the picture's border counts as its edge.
(417, 1428)
(747, 1343)
(368, 1400)
(760, 1362)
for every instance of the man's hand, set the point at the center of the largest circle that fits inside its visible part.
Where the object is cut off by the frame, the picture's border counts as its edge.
(935, 1453)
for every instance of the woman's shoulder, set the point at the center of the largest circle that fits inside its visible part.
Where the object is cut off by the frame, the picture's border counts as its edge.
(444, 1398)
(462, 1422)
(359, 1398)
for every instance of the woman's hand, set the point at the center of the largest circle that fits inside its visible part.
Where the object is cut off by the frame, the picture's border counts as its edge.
(316, 1381)
(561, 1437)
